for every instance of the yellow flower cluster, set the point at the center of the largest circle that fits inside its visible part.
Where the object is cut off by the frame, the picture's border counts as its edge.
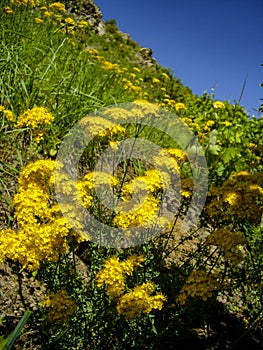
(146, 107)
(179, 105)
(194, 126)
(228, 243)
(79, 194)
(131, 86)
(32, 3)
(198, 285)
(60, 306)
(123, 75)
(56, 14)
(82, 24)
(92, 180)
(8, 10)
(36, 118)
(38, 20)
(7, 113)
(226, 123)
(102, 127)
(172, 164)
(187, 187)
(111, 66)
(151, 181)
(140, 109)
(141, 198)
(168, 102)
(135, 83)
(142, 214)
(178, 154)
(167, 162)
(57, 6)
(42, 230)
(242, 187)
(139, 300)
(118, 113)
(219, 104)
(208, 125)
(113, 273)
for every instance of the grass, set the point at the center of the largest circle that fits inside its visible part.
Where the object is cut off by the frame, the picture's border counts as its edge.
(210, 275)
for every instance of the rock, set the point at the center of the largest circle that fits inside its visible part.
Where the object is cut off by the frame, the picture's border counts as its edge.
(145, 58)
(88, 11)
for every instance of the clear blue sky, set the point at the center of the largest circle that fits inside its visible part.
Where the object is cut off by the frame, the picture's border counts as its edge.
(208, 44)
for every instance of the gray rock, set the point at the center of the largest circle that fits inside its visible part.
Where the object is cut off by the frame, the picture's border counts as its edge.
(88, 11)
(145, 58)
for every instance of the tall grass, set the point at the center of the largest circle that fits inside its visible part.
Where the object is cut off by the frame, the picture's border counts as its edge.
(210, 277)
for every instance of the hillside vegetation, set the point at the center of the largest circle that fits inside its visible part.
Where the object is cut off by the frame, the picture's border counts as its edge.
(154, 149)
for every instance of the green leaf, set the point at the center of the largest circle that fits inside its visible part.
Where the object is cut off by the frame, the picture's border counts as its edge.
(212, 147)
(53, 152)
(229, 154)
(7, 343)
(220, 169)
(153, 326)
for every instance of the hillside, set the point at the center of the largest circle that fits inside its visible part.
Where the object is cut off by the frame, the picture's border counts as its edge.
(131, 209)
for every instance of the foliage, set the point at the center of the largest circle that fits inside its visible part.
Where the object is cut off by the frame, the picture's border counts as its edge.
(201, 287)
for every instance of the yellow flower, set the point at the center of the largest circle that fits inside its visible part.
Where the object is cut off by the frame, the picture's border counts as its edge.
(166, 76)
(38, 20)
(179, 106)
(92, 51)
(226, 123)
(60, 306)
(152, 181)
(118, 113)
(57, 6)
(241, 187)
(111, 66)
(114, 145)
(83, 24)
(228, 243)
(141, 214)
(136, 69)
(146, 107)
(167, 161)
(208, 125)
(8, 10)
(49, 13)
(35, 117)
(218, 104)
(42, 229)
(102, 127)
(91, 181)
(178, 154)
(8, 114)
(187, 187)
(231, 197)
(113, 273)
(139, 300)
(31, 3)
(199, 284)
(70, 21)
(156, 80)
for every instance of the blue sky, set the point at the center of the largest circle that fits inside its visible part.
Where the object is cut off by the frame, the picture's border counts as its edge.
(208, 44)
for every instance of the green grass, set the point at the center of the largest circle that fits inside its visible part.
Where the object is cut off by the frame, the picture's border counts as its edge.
(40, 65)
